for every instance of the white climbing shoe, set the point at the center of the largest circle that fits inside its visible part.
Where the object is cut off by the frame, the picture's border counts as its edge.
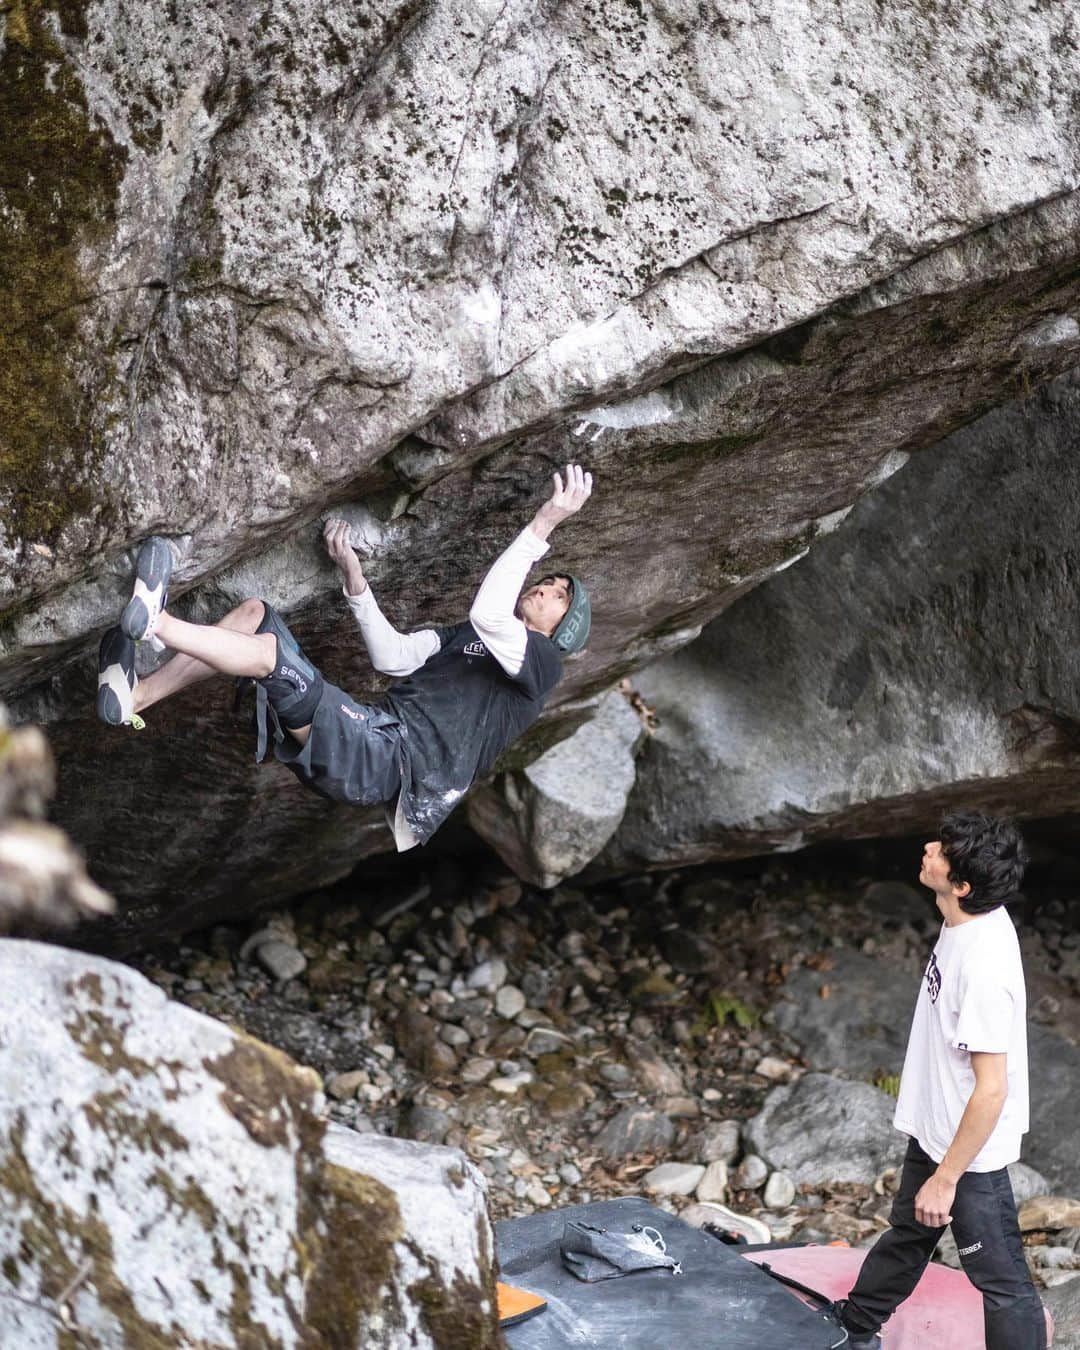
(153, 569)
(117, 681)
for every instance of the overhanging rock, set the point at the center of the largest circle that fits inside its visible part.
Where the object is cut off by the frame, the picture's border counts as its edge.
(405, 263)
(165, 1181)
(924, 656)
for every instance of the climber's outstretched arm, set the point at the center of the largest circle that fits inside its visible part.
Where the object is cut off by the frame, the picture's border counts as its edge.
(391, 652)
(494, 613)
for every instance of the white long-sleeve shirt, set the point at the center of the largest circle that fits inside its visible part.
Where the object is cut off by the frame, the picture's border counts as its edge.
(492, 616)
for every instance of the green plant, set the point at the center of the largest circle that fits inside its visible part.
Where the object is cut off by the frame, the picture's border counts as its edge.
(719, 1006)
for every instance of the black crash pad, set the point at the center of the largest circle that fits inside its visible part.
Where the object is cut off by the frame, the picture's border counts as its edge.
(719, 1301)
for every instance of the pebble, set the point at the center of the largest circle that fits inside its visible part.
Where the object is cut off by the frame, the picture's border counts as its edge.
(779, 1191)
(512, 1084)
(453, 1035)
(674, 1178)
(570, 1174)
(281, 960)
(343, 1086)
(1054, 1258)
(488, 975)
(537, 1194)
(774, 1069)
(509, 1001)
(635, 1130)
(750, 1174)
(476, 1070)
(427, 1123)
(681, 1108)
(720, 1142)
(546, 1041)
(714, 1183)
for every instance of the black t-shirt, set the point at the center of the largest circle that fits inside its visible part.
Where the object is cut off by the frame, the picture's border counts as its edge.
(460, 710)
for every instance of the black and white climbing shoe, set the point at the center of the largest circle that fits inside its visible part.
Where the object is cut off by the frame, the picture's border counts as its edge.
(153, 568)
(117, 681)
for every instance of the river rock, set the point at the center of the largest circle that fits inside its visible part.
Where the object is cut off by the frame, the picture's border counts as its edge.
(1050, 1212)
(673, 1178)
(282, 960)
(779, 1191)
(1026, 1182)
(417, 1037)
(635, 1130)
(488, 976)
(551, 818)
(745, 339)
(719, 1141)
(713, 1185)
(426, 1123)
(750, 1174)
(824, 1129)
(854, 1014)
(121, 1192)
(509, 1001)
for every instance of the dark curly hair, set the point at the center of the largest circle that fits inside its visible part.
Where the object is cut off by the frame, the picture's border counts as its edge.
(988, 854)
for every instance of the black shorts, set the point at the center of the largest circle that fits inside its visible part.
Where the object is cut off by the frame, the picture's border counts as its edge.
(294, 687)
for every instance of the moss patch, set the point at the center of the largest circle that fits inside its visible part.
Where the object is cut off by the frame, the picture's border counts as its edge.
(265, 1091)
(60, 172)
(349, 1255)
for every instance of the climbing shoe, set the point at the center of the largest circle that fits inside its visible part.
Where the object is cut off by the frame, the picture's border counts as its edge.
(856, 1340)
(117, 681)
(153, 568)
(517, 1305)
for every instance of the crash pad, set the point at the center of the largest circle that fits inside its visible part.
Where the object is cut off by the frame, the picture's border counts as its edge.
(719, 1300)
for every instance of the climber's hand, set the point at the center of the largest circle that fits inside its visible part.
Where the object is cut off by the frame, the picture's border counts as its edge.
(336, 538)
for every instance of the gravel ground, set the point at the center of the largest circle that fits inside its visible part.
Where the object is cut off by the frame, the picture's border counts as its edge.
(570, 1041)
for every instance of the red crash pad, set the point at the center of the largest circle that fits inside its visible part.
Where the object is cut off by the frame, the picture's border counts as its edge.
(944, 1312)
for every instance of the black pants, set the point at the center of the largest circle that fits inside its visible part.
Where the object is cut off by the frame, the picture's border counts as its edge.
(988, 1237)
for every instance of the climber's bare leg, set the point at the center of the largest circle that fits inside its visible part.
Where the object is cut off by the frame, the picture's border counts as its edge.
(184, 669)
(229, 647)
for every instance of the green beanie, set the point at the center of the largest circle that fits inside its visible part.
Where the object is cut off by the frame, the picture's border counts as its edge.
(573, 630)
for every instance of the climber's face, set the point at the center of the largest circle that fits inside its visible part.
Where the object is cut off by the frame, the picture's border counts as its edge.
(544, 605)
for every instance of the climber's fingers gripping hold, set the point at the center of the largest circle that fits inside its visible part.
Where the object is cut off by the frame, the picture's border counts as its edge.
(336, 537)
(572, 495)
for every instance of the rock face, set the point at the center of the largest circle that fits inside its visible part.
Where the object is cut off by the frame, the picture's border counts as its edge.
(165, 1179)
(921, 657)
(399, 261)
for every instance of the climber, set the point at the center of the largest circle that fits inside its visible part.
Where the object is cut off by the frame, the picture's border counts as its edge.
(466, 692)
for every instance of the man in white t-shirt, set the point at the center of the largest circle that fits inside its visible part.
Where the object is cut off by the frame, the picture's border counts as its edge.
(963, 1098)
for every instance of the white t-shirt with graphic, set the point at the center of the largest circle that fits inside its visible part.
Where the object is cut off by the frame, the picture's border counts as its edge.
(972, 999)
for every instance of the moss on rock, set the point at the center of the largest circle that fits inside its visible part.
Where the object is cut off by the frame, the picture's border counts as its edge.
(349, 1255)
(59, 177)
